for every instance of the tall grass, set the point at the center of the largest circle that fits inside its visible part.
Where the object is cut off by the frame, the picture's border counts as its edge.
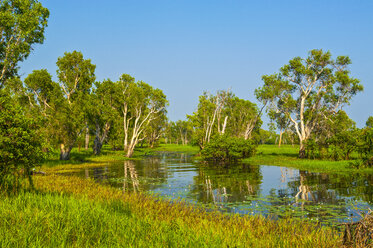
(287, 156)
(69, 211)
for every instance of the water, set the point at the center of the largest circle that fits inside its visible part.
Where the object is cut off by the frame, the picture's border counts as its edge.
(272, 191)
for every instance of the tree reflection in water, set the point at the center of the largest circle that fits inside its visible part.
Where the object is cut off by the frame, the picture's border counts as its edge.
(219, 185)
(130, 175)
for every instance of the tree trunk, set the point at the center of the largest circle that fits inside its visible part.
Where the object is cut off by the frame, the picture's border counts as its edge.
(224, 125)
(86, 138)
(302, 149)
(65, 152)
(280, 140)
(130, 151)
(97, 145)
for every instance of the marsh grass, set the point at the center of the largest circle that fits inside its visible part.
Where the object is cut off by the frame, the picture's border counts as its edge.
(69, 211)
(287, 156)
(86, 156)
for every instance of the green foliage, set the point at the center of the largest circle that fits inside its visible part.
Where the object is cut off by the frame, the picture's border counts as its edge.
(140, 113)
(20, 144)
(22, 24)
(369, 122)
(223, 113)
(76, 76)
(307, 91)
(223, 149)
(365, 149)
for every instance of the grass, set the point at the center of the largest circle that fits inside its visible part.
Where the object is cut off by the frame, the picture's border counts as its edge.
(86, 156)
(287, 156)
(74, 212)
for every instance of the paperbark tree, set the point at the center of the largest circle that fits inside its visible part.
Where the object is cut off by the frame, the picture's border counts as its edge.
(139, 105)
(102, 112)
(309, 90)
(147, 104)
(45, 100)
(76, 76)
(22, 24)
(221, 114)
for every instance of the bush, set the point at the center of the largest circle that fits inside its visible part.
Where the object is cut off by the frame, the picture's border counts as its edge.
(20, 144)
(366, 147)
(224, 149)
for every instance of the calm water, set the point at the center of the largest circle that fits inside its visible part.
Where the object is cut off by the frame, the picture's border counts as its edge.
(272, 191)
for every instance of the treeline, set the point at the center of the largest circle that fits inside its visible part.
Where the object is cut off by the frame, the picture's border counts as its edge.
(304, 101)
(123, 112)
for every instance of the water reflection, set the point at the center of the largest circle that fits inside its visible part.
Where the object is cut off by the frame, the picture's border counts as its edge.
(130, 175)
(218, 184)
(242, 188)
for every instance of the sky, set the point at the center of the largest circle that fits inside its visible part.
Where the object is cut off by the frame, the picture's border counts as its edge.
(187, 47)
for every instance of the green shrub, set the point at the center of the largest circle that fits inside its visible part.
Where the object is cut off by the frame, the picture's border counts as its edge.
(223, 149)
(20, 145)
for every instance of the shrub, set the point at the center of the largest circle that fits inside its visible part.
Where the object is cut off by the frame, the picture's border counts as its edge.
(224, 149)
(20, 144)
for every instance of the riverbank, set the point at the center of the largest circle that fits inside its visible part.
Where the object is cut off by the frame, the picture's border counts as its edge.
(70, 211)
(287, 156)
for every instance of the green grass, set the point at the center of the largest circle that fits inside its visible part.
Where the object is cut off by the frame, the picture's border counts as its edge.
(74, 212)
(287, 156)
(107, 154)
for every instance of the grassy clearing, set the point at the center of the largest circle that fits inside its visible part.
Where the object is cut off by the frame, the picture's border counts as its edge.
(287, 156)
(69, 211)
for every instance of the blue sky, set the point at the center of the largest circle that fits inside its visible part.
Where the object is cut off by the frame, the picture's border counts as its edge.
(187, 47)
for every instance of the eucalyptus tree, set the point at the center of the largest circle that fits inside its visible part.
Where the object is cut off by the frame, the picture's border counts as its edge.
(102, 112)
(45, 100)
(208, 116)
(22, 24)
(183, 131)
(244, 117)
(140, 105)
(156, 129)
(76, 76)
(223, 113)
(309, 90)
(281, 121)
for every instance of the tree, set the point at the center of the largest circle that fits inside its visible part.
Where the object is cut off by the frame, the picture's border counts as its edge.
(223, 113)
(22, 24)
(369, 122)
(44, 99)
(244, 117)
(20, 144)
(102, 112)
(139, 105)
(208, 116)
(156, 129)
(282, 123)
(309, 90)
(225, 149)
(76, 76)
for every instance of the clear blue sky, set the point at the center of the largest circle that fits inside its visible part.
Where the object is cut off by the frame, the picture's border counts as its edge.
(187, 47)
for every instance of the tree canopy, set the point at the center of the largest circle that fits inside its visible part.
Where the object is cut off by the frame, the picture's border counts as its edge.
(22, 24)
(309, 90)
